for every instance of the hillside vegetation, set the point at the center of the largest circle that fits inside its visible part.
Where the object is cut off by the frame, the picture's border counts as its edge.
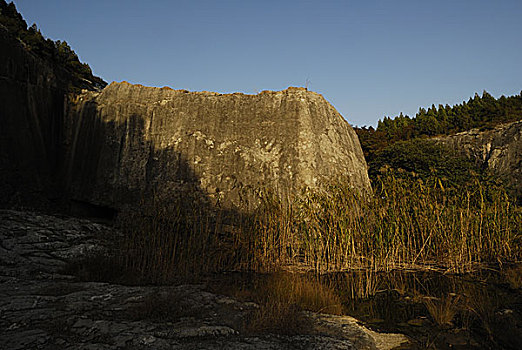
(56, 52)
(402, 146)
(478, 112)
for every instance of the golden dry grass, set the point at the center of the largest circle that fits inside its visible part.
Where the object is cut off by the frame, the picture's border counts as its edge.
(442, 310)
(404, 224)
(283, 296)
(277, 317)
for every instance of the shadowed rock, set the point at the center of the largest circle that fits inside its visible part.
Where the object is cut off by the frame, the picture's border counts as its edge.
(32, 101)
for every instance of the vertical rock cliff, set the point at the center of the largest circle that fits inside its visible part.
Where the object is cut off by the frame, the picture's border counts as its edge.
(34, 93)
(128, 141)
(32, 104)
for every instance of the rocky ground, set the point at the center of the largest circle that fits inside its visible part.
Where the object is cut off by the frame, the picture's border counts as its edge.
(43, 308)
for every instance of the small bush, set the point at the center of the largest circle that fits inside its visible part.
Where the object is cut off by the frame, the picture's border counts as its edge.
(283, 296)
(306, 292)
(442, 310)
(278, 317)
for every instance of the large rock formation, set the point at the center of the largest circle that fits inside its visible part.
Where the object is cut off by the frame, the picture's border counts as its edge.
(114, 147)
(129, 141)
(499, 150)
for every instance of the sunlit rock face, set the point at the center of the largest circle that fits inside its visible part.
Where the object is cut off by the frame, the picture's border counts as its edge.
(129, 141)
(499, 150)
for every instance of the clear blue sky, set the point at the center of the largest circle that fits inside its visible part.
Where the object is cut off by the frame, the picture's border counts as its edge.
(368, 58)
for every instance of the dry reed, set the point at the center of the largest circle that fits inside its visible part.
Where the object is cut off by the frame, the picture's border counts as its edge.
(404, 224)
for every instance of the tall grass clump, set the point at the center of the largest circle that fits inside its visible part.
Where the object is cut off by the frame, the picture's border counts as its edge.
(442, 310)
(282, 297)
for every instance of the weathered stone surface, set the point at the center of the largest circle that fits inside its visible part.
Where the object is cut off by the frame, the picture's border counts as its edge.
(499, 150)
(128, 140)
(41, 308)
